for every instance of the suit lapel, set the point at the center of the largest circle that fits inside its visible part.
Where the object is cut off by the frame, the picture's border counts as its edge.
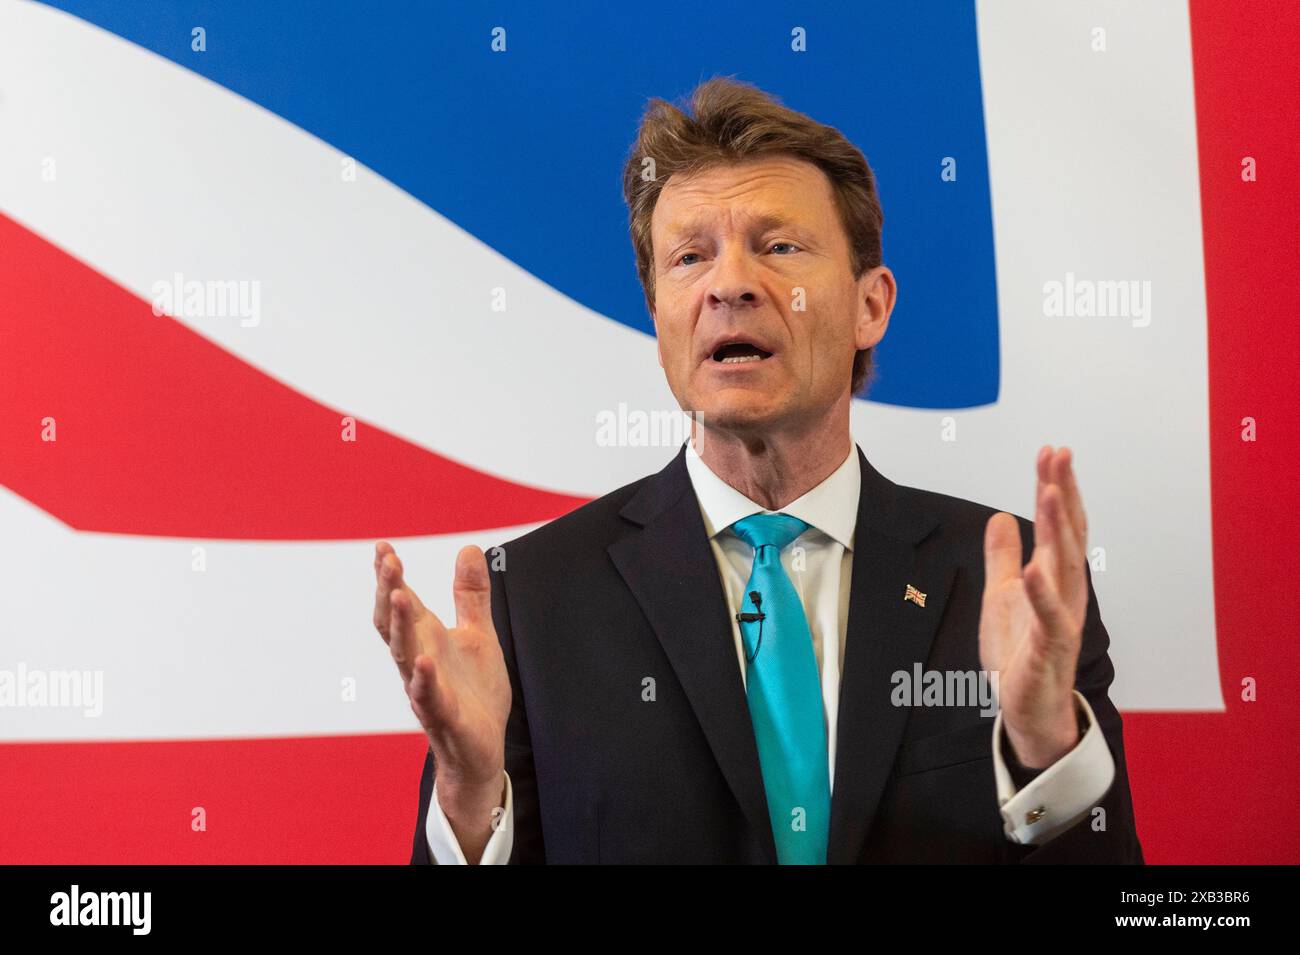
(670, 569)
(885, 634)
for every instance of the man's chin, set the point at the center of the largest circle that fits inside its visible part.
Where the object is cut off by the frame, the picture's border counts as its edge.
(746, 412)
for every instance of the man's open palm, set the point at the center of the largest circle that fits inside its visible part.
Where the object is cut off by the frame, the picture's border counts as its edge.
(1031, 618)
(455, 677)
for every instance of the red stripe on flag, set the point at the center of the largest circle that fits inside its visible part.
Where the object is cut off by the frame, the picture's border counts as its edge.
(317, 800)
(162, 432)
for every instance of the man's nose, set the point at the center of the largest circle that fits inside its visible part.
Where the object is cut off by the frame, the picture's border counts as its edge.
(733, 283)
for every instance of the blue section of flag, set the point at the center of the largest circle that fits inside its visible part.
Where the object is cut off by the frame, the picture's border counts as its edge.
(524, 149)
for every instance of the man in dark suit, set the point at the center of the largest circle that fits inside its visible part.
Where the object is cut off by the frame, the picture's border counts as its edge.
(768, 651)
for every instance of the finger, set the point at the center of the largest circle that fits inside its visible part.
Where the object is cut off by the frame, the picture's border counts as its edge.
(388, 576)
(1002, 550)
(471, 590)
(1043, 468)
(1069, 485)
(1055, 627)
(1043, 465)
(1066, 550)
(403, 638)
(393, 577)
(423, 691)
(1046, 537)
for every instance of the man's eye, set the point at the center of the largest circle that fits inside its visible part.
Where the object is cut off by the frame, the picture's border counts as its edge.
(791, 245)
(681, 260)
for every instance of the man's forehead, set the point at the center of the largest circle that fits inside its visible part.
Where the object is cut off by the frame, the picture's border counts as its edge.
(756, 194)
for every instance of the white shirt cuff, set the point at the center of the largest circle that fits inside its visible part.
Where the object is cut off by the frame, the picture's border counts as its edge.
(445, 850)
(1060, 795)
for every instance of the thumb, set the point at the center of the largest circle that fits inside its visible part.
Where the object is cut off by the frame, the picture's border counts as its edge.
(1002, 553)
(471, 590)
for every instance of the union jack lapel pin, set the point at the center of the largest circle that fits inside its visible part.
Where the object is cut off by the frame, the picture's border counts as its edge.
(914, 595)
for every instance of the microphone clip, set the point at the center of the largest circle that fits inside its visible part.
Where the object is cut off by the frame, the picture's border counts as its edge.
(757, 617)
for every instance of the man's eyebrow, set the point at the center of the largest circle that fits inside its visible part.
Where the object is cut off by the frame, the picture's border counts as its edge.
(764, 222)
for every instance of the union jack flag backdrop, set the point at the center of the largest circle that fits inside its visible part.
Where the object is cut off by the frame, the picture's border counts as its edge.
(279, 280)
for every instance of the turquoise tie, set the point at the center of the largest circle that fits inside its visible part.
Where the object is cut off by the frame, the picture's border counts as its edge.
(785, 697)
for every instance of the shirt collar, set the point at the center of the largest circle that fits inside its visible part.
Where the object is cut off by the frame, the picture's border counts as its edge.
(831, 507)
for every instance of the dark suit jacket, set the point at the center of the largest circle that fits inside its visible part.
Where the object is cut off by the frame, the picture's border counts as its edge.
(626, 588)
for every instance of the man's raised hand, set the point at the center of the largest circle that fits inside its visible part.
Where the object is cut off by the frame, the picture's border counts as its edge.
(457, 684)
(1031, 619)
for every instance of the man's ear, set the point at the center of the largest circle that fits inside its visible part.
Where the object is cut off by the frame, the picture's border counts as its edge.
(876, 294)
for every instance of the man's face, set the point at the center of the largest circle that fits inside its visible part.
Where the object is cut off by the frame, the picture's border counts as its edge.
(756, 309)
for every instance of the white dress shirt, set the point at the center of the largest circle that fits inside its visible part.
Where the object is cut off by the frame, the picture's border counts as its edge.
(819, 563)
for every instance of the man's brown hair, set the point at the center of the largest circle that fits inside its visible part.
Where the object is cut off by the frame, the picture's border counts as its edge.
(732, 122)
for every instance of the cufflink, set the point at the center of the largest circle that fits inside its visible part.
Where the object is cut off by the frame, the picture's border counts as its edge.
(1034, 815)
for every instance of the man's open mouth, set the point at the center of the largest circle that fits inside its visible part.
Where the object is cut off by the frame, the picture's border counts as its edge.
(734, 353)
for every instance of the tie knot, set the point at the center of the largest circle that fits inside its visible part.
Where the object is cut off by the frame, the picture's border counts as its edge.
(760, 530)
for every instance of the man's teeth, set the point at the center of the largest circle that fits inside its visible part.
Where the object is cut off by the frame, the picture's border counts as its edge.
(738, 358)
